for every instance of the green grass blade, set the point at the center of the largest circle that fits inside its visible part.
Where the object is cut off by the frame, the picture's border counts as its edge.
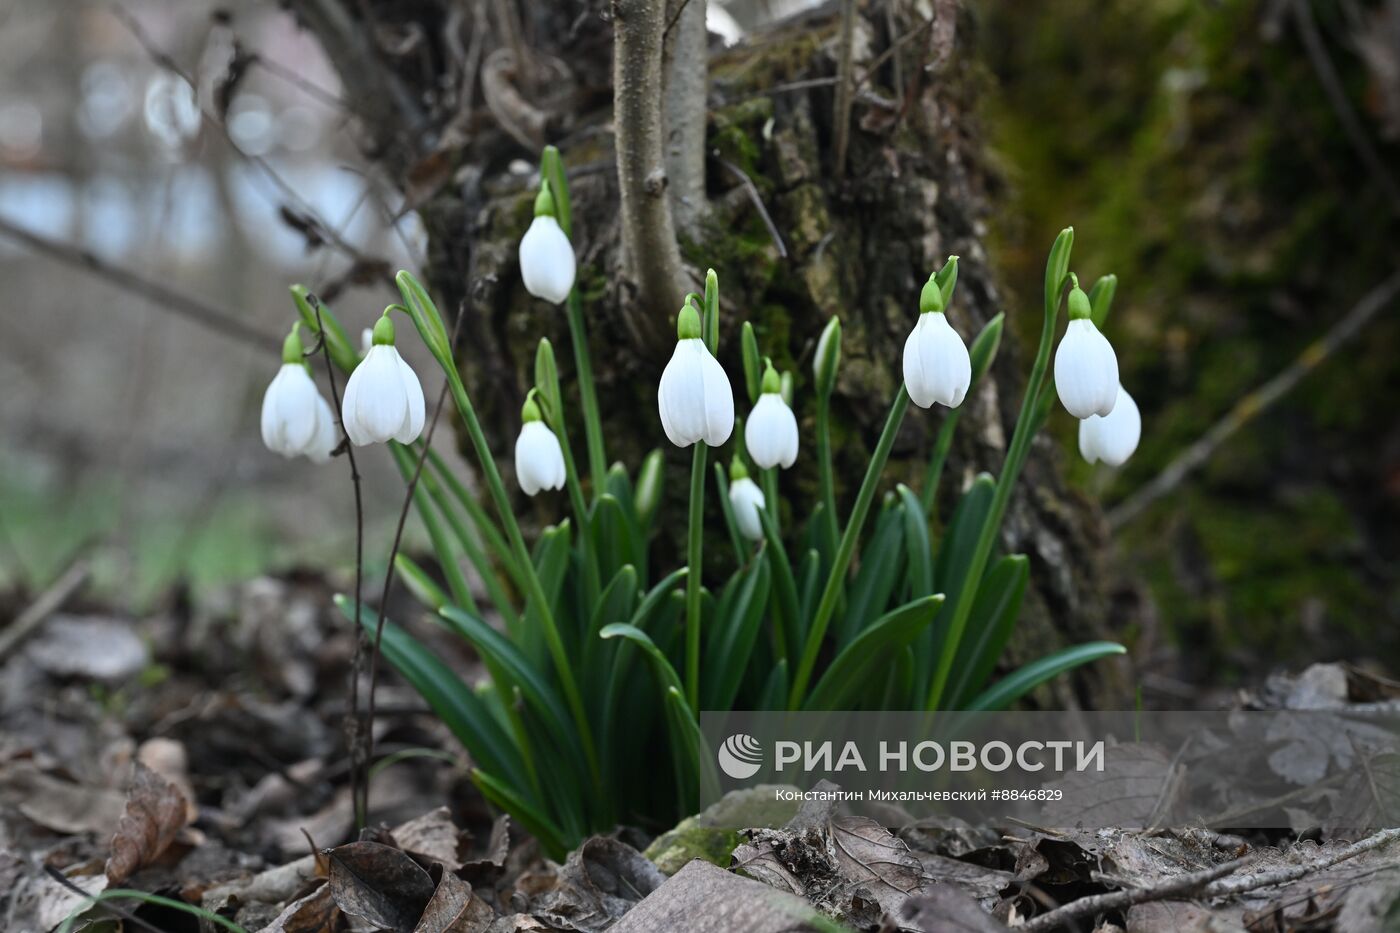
(916, 544)
(1016, 685)
(863, 660)
(460, 709)
(735, 635)
(993, 617)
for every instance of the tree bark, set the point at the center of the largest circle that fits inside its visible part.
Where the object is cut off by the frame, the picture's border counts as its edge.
(916, 189)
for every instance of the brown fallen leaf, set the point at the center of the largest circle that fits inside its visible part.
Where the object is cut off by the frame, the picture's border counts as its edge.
(155, 812)
(379, 884)
(60, 805)
(940, 908)
(432, 835)
(601, 881)
(314, 913)
(870, 856)
(488, 869)
(453, 907)
(703, 898)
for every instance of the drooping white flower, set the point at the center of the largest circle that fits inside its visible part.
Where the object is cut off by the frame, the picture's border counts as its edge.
(694, 397)
(547, 262)
(746, 500)
(295, 418)
(770, 434)
(289, 412)
(539, 460)
(937, 367)
(1086, 368)
(1112, 438)
(383, 399)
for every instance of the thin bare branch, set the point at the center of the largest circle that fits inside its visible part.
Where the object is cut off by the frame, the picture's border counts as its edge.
(1254, 403)
(159, 295)
(687, 93)
(49, 602)
(752, 191)
(841, 119)
(284, 188)
(650, 250)
(1207, 883)
(354, 737)
(1341, 105)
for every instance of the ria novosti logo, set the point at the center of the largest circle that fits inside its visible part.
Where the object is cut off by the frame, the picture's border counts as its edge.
(740, 756)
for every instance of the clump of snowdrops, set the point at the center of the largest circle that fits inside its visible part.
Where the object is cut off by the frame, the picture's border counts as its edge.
(599, 663)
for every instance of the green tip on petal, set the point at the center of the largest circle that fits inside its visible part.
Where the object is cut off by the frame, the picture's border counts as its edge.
(1079, 308)
(737, 470)
(688, 323)
(384, 331)
(544, 201)
(772, 382)
(931, 298)
(291, 347)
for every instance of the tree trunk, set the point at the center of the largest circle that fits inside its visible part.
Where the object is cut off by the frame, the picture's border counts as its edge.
(915, 190)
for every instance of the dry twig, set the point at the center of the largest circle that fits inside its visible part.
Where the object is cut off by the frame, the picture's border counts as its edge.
(1207, 883)
(49, 602)
(1249, 407)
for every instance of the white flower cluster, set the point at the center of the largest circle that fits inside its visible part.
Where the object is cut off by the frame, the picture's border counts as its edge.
(1086, 378)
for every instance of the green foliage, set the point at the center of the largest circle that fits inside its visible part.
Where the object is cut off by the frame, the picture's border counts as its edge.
(1207, 165)
(601, 664)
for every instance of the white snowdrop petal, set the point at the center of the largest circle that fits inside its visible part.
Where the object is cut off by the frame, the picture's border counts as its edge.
(770, 434)
(539, 460)
(412, 424)
(1086, 371)
(937, 367)
(1112, 438)
(746, 499)
(288, 419)
(376, 404)
(681, 394)
(324, 441)
(719, 400)
(547, 263)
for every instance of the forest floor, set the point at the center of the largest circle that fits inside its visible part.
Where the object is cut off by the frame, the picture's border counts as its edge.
(197, 754)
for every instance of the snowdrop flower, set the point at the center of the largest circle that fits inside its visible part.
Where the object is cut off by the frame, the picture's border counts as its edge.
(546, 255)
(746, 501)
(1112, 438)
(694, 397)
(937, 367)
(1086, 368)
(539, 460)
(771, 431)
(295, 418)
(383, 399)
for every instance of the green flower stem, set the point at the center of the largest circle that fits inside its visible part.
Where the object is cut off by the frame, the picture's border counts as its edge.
(485, 527)
(694, 554)
(592, 585)
(835, 581)
(533, 590)
(588, 397)
(552, 170)
(826, 486)
(404, 457)
(1027, 423)
(941, 446)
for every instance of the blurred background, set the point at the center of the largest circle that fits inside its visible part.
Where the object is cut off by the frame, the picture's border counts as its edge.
(1236, 163)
